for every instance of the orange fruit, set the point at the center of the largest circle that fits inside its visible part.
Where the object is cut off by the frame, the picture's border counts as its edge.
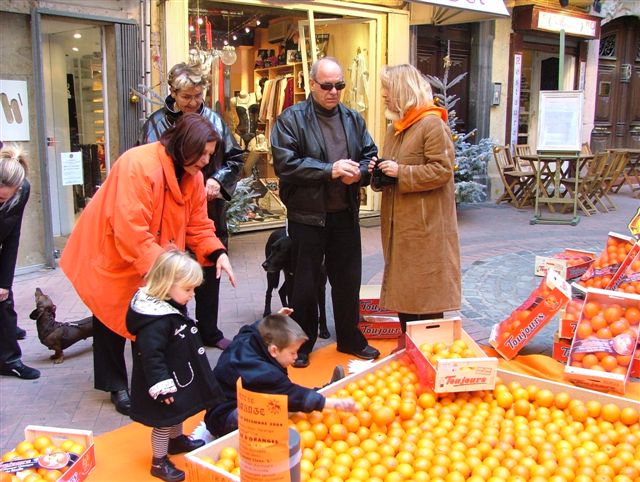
(610, 412)
(613, 313)
(338, 432)
(632, 315)
(629, 416)
(24, 447)
(590, 309)
(383, 416)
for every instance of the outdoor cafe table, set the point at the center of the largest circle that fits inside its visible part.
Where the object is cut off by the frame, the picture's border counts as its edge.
(551, 170)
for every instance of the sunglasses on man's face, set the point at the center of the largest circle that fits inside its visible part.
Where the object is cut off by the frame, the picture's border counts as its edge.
(328, 85)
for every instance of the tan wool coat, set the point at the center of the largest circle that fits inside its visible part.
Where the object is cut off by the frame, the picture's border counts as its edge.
(419, 225)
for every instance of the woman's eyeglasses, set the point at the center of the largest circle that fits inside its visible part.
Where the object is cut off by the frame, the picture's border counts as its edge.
(328, 85)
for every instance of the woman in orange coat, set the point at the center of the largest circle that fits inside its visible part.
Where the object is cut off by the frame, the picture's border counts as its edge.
(153, 198)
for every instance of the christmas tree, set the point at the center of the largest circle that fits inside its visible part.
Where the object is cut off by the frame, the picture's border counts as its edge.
(471, 159)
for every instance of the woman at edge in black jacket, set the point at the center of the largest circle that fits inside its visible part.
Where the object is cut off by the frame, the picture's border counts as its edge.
(14, 194)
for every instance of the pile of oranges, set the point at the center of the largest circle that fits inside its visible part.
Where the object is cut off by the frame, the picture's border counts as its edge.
(439, 351)
(40, 446)
(602, 270)
(602, 322)
(629, 283)
(513, 433)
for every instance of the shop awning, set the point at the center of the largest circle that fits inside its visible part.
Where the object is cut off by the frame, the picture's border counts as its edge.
(447, 12)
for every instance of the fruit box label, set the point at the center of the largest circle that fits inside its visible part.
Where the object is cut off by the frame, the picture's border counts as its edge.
(561, 349)
(510, 335)
(370, 301)
(379, 327)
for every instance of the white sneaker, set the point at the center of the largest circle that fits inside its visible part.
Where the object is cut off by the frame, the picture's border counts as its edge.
(201, 433)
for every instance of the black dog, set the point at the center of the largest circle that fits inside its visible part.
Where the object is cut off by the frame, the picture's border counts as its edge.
(277, 252)
(56, 335)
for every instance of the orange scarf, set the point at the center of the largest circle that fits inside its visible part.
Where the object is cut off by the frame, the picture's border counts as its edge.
(414, 114)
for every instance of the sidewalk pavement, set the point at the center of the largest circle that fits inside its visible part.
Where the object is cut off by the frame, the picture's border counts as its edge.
(498, 247)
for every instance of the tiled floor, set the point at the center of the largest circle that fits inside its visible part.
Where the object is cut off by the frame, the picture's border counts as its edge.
(498, 247)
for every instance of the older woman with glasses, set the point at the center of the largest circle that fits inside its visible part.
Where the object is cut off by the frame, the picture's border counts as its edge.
(154, 198)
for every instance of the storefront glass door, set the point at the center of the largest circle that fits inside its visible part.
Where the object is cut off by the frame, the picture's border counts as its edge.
(73, 65)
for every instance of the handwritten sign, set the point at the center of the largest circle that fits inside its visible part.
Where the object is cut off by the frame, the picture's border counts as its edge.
(263, 428)
(71, 163)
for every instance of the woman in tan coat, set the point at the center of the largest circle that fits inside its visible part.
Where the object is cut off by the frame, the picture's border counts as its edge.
(418, 215)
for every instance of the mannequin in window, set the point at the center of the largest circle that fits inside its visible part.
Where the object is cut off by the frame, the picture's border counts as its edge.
(242, 104)
(259, 144)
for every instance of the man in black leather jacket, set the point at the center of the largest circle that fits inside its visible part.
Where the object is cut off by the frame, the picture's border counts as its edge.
(186, 84)
(321, 150)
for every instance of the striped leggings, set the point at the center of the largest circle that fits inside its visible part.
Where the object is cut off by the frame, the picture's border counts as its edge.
(160, 439)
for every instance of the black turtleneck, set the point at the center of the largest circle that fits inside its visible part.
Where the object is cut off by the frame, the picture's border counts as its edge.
(335, 141)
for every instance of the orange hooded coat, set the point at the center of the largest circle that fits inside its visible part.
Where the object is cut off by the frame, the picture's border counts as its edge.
(137, 213)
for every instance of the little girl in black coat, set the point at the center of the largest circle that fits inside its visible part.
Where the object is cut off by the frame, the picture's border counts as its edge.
(172, 379)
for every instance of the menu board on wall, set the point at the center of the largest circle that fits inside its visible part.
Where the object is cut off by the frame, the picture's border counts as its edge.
(560, 120)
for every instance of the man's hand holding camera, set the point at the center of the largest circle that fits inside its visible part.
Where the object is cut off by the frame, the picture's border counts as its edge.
(347, 170)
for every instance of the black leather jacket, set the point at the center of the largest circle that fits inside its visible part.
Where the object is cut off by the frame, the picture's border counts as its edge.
(10, 224)
(299, 159)
(226, 163)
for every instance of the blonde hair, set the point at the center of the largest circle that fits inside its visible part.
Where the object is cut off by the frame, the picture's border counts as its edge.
(13, 171)
(407, 87)
(280, 330)
(185, 76)
(172, 267)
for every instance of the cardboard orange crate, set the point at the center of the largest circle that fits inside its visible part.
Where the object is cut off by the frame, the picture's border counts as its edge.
(605, 340)
(380, 326)
(370, 301)
(601, 272)
(569, 316)
(627, 278)
(80, 468)
(561, 348)
(510, 335)
(451, 374)
(569, 264)
(200, 471)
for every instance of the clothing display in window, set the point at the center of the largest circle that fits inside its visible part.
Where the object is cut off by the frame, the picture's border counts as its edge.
(359, 81)
(246, 107)
(276, 97)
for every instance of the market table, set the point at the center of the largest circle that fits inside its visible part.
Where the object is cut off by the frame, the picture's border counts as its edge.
(125, 454)
(550, 171)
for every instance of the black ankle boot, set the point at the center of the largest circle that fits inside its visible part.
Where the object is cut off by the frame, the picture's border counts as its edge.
(164, 469)
(182, 444)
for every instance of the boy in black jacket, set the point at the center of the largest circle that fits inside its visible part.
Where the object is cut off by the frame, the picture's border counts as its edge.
(260, 354)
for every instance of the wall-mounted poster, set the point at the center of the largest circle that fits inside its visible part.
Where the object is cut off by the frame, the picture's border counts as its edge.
(560, 120)
(14, 118)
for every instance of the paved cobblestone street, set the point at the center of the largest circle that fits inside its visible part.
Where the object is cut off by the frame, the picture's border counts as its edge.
(498, 250)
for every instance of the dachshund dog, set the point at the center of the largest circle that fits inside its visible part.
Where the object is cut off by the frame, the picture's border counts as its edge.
(278, 258)
(56, 335)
